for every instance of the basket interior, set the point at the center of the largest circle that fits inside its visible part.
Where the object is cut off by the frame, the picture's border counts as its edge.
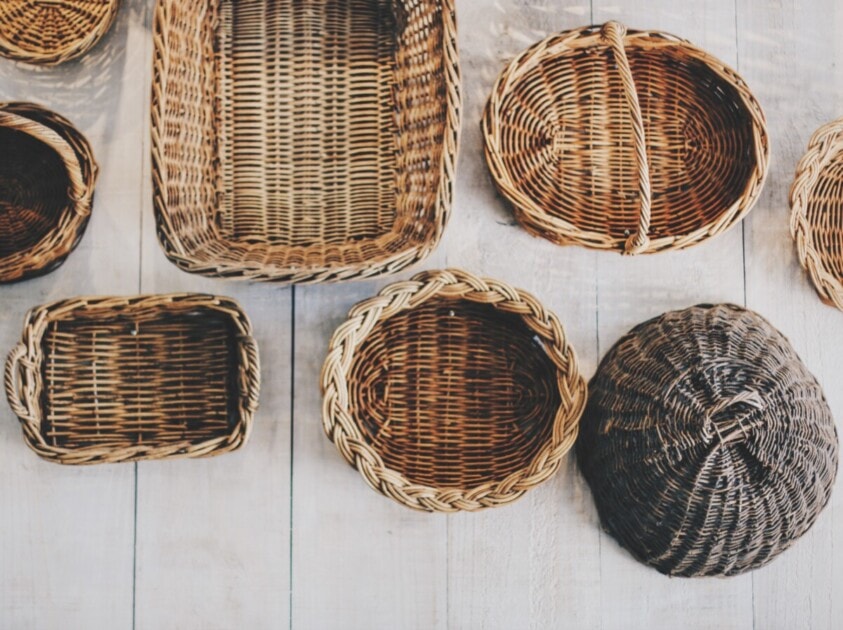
(33, 191)
(454, 393)
(149, 377)
(51, 25)
(824, 212)
(326, 142)
(567, 140)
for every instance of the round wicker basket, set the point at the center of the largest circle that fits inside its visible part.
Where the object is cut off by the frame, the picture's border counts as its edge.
(631, 141)
(816, 220)
(707, 444)
(47, 177)
(449, 392)
(53, 31)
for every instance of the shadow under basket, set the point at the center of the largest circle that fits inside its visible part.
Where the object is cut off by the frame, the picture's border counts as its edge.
(47, 178)
(816, 201)
(634, 141)
(449, 392)
(303, 140)
(53, 31)
(105, 380)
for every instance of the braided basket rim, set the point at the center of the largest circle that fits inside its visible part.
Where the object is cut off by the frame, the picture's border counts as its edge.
(54, 247)
(341, 428)
(24, 382)
(537, 221)
(253, 271)
(825, 145)
(74, 49)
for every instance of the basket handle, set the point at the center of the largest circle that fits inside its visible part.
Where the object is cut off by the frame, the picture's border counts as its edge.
(78, 191)
(613, 33)
(14, 370)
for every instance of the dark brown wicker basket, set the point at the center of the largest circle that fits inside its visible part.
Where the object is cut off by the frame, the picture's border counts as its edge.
(114, 379)
(708, 445)
(47, 178)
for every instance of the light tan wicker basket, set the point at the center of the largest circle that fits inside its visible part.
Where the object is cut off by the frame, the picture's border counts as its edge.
(103, 380)
(303, 140)
(47, 178)
(53, 31)
(816, 219)
(631, 141)
(450, 392)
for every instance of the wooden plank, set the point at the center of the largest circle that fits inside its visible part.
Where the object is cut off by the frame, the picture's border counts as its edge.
(67, 541)
(790, 53)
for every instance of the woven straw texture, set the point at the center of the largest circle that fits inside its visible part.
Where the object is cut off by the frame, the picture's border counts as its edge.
(633, 141)
(450, 392)
(53, 31)
(102, 380)
(47, 178)
(708, 445)
(303, 140)
(816, 220)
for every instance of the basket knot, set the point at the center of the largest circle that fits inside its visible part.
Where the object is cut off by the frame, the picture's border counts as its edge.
(613, 30)
(733, 428)
(636, 244)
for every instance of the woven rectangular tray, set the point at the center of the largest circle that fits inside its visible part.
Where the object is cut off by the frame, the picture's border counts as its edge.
(303, 140)
(121, 379)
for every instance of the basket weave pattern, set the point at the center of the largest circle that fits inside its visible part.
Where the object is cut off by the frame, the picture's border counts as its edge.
(708, 445)
(631, 141)
(317, 143)
(816, 220)
(122, 379)
(449, 392)
(47, 178)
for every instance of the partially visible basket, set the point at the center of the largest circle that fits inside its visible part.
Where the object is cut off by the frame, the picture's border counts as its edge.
(303, 140)
(102, 380)
(631, 141)
(816, 221)
(708, 445)
(47, 177)
(53, 31)
(449, 392)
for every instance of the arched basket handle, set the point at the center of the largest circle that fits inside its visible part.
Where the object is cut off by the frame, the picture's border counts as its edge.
(613, 33)
(12, 382)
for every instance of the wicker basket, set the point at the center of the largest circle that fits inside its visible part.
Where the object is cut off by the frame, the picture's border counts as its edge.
(708, 445)
(47, 177)
(449, 392)
(303, 140)
(122, 379)
(631, 141)
(816, 220)
(53, 31)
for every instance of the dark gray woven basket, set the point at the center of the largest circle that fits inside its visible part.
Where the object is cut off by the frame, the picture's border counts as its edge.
(707, 444)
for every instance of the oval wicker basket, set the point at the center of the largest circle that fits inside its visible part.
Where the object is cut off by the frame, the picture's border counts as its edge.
(707, 444)
(303, 140)
(53, 31)
(47, 177)
(449, 392)
(115, 379)
(631, 141)
(816, 220)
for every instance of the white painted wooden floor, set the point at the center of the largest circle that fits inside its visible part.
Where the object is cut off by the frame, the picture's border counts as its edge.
(284, 533)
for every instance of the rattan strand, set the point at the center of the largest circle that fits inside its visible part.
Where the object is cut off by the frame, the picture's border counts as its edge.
(633, 141)
(708, 445)
(47, 178)
(104, 380)
(53, 31)
(450, 392)
(816, 220)
(303, 140)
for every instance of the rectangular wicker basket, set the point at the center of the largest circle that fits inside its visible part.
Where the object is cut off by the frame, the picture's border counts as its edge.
(303, 140)
(121, 379)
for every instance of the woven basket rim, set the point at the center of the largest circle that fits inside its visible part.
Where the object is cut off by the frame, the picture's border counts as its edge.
(60, 136)
(72, 50)
(536, 220)
(180, 255)
(25, 359)
(825, 145)
(343, 431)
